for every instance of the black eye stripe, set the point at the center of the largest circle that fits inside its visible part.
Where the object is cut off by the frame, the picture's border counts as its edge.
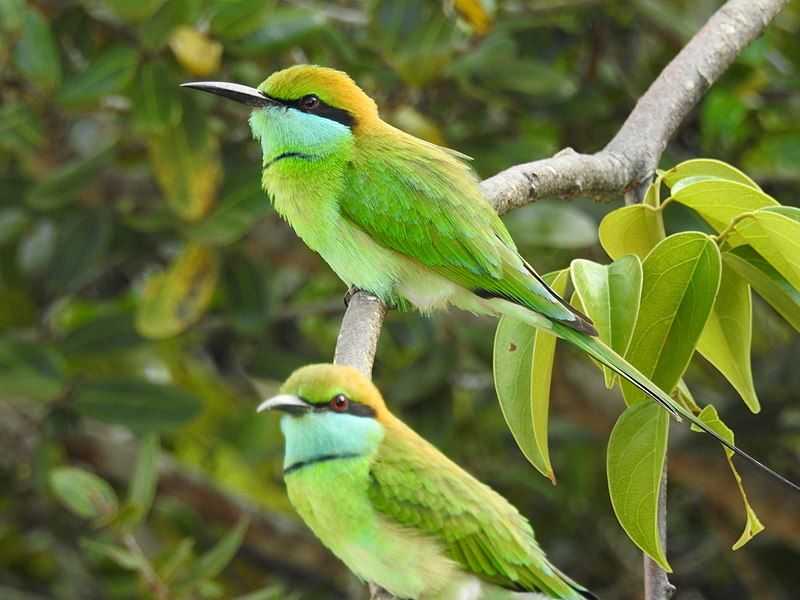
(322, 109)
(355, 408)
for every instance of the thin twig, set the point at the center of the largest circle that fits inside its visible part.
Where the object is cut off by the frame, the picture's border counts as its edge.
(629, 159)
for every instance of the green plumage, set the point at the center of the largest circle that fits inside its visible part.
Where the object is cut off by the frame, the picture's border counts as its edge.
(395, 509)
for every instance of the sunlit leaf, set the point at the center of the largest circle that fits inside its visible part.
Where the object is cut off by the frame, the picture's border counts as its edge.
(476, 13)
(610, 296)
(769, 284)
(631, 230)
(36, 53)
(84, 493)
(108, 74)
(725, 341)
(141, 406)
(195, 51)
(173, 300)
(719, 201)
(776, 237)
(681, 279)
(523, 364)
(697, 169)
(637, 450)
(752, 525)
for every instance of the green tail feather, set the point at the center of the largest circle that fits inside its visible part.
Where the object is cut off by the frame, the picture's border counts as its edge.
(598, 350)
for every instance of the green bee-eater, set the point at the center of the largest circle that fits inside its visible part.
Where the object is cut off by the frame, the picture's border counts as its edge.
(393, 508)
(400, 217)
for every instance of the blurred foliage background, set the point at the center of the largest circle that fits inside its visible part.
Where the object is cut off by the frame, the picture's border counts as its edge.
(144, 279)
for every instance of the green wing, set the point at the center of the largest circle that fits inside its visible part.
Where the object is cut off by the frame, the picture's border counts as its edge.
(423, 202)
(416, 486)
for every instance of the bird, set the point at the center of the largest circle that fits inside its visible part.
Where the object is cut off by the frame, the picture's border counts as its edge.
(402, 218)
(393, 508)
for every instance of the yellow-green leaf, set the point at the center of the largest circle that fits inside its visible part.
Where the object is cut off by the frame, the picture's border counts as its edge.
(681, 279)
(725, 341)
(610, 296)
(770, 285)
(523, 364)
(696, 169)
(189, 173)
(776, 237)
(637, 449)
(84, 493)
(631, 230)
(195, 51)
(719, 201)
(752, 526)
(175, 299)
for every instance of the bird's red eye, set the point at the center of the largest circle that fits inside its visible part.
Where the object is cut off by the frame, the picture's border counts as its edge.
(309, 102)
(339, 403)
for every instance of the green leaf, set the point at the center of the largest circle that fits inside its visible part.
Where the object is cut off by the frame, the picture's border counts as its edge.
(776, 237)
(108, 74)
(145, 477)
(552, 225)
(631, 230)
(84, 493)
(156, 103)
(13, 222)
(775, 156)
(187, 167)
(178, 557)
(233, 218)
(133, 12)
(12, 15)
(36, 53)
(681, 279)
(173, 300)
(610, 296)
(32, 370)
(752, 525)
(62, 185)
(637, 450)
(725, 341)
(284, 28)
(719, 201)
(156, 30)
(82, 242)
(523, 364)
(139, 405)
(770, 285)
(21, 129)
(234, 19)
(212, 563)
(116, 554)
(698, 169)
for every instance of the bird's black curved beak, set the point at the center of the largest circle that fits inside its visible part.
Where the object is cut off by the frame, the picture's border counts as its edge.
(233, 91)
(286, 403)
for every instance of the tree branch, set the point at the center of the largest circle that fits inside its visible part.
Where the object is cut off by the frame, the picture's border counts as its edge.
(628, 160)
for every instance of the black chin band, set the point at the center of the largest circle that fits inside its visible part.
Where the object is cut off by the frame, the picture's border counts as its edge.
(318, 459)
